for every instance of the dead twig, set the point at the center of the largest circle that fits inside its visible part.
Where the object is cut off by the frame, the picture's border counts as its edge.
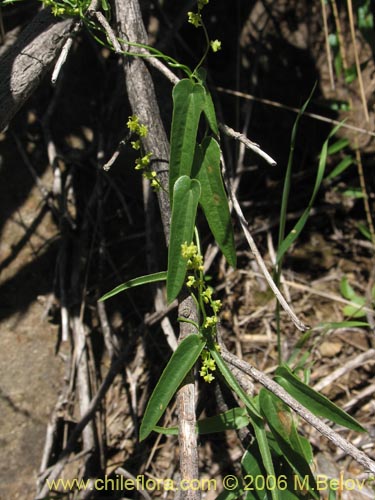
(56, 470)
(247, 143)
(352, 364)
(245, 228)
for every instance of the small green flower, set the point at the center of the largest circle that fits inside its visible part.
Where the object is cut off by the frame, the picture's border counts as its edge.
(195, 19)
(136, 144)
(189, 251)
(142, 130)
(208, 378)
(210, 321)
(215, 45)
(202, 3)
(133, 123)
(191, 281)
(207, 294)
(143, 162)
(208, 365)
(216, 306)
(155, 184)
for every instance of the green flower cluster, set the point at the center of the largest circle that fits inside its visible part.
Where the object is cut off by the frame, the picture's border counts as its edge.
(70, 8)
(208, 366)
(143, 162)
(204, 294)
(194, 259)
(195, 18)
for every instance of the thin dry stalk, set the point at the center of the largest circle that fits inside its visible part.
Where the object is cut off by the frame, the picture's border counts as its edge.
(254, 249)
(279, 105)
(144, 104)
(352, 364)
(357, 63)
(328, 48)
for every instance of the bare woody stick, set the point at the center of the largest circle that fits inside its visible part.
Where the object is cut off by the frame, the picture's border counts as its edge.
(143, 102)
(27, 61)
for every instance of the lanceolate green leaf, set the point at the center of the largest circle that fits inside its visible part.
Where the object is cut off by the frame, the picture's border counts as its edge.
(141, 280)
(188, 102)
(314, 401)
(209, 112)
(281, 424)
(214, 201)
(186, 195)
(181, 362)
(236, 418)
(255, 417)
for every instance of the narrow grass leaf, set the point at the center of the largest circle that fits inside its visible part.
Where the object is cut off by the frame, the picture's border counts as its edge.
(141, 280)
(295, 232)
(337, 146)
(186, 195)
(356, 311)
(213, 200)
(346, 289)
(334, 325)
(288, 174)
(341, 167)
(188, 102)
(364, 231)
(314, 401)
(180, 363)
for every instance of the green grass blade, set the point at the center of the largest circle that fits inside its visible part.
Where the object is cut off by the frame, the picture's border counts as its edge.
(334, 325)
(141, 280)
(314, 401)
(180, 363)
(341, 167)
(288, 174)
(213, 200)
(337, 146)
(188, 103)
(186, 195)
(295, 232)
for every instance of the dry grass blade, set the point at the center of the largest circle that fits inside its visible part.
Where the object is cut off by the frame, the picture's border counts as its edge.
(279, 105)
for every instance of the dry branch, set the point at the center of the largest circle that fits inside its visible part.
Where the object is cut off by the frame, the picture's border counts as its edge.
(27, 61)
(144, 104)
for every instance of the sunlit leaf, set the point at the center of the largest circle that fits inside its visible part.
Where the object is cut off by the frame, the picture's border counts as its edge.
(186, 195)
(188, 102)
(214, 201)
(281, 424)
(180, 363)
(253, 411)
(314, 401)
(141, 280)
(236, 418)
